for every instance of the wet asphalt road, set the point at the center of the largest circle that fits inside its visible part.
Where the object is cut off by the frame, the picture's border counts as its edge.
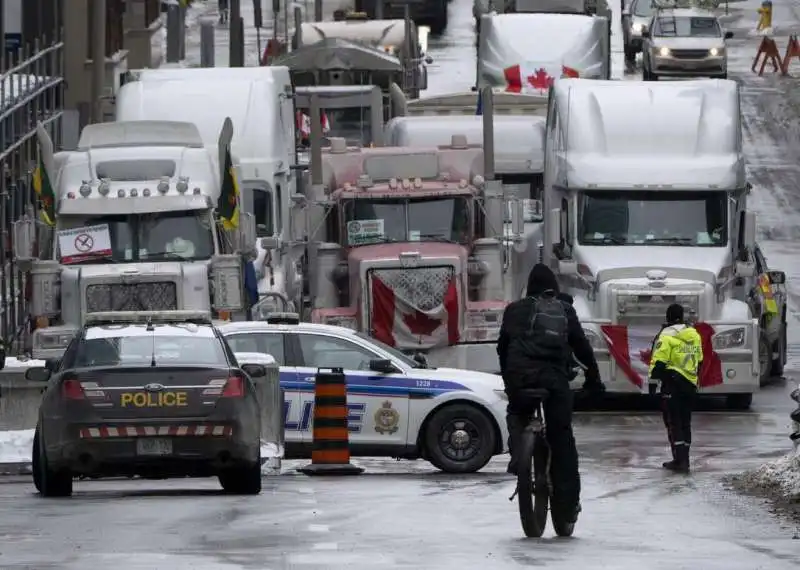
(406, 515)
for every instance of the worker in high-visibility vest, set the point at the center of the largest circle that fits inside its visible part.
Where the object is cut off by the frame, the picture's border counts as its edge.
(770, 305)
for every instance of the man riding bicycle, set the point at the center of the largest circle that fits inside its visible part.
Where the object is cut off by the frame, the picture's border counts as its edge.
(537, 340)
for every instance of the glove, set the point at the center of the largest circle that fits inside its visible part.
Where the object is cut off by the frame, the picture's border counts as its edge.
(593, 383)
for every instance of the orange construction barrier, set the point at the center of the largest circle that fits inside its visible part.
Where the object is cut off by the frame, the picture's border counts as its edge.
(330, 454)
(792, 50)
(769, 49)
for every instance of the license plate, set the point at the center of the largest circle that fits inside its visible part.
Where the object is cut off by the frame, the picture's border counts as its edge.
(153, 446)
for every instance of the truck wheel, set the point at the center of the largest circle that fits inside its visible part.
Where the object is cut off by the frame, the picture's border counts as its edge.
(459, 438)
(739, 401)
(244, 480)
(50, 483)
(781, 349)
(764, 359)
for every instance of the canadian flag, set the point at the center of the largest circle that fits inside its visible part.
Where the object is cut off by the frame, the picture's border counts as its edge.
(631, 347)
(398, 322)
(304, 124)
(534, 78)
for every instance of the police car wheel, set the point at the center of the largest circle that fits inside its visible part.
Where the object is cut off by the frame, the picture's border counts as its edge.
(244, 480)
(459, 438)
(51, 483)
(37, 476)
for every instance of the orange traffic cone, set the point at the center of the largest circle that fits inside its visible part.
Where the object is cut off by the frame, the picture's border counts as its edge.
(769, 49)
(330, 454)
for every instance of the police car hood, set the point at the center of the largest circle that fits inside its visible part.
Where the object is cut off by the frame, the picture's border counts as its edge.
(469, 378)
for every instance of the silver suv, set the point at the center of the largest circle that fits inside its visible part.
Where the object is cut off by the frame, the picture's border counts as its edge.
(684, 43)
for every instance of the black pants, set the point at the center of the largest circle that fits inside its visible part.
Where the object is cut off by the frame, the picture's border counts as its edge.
(558, 418)
(677, 402)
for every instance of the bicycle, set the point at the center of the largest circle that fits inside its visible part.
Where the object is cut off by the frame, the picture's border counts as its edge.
(534, 484)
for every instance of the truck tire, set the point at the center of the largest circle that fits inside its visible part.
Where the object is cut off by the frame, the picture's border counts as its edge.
(764, 359)
(49, 483)
(781, 349)
(456, 429)
(739, 402)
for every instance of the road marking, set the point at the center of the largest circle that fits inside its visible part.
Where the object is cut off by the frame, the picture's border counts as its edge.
(325, 546)
(319, 528)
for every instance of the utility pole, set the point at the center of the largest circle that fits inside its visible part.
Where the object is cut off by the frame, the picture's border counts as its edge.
(98, 58)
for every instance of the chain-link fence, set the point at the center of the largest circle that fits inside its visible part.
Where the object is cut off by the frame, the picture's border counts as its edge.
(31, 91)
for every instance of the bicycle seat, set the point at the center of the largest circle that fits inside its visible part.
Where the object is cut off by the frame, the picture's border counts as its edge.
(534, 393)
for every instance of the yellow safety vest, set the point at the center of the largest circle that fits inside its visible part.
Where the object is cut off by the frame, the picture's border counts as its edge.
(766, 290)
(680, 348)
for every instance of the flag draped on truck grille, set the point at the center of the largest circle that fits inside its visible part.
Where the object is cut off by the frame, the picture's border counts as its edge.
(228, 203)
(44, 190)
(415, 308)
(631, 347)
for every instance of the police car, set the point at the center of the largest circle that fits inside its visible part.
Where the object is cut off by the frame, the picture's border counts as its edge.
(398, 407)
(151, 394)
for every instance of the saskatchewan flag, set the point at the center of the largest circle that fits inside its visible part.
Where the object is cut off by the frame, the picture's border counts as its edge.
(44, 190)
(228, 204)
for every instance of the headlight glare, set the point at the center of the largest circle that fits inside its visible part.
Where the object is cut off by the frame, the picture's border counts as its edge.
(664, 51)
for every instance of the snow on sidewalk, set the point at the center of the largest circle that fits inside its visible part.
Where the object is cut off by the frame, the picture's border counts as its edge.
(16, 446)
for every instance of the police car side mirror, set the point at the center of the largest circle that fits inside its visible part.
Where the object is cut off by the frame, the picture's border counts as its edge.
(382, 365)
(254, 370)
(38, 374)
(777, 277)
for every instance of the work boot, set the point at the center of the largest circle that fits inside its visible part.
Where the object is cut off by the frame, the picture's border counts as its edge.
(671, 464)
(681, 462)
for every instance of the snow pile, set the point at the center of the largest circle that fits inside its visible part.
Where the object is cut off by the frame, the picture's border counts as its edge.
(781, 476)
(16, 446)
(13, 362)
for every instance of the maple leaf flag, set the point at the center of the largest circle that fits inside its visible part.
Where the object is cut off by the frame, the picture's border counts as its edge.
(397, 322)
(304, 124)
(538, 79)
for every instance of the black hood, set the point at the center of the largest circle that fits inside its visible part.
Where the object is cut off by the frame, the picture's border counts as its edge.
(566, 298)
(541, 279)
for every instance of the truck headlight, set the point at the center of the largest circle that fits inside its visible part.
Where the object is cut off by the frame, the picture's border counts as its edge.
(226, 277)
(44, 339)
(597, 342)
(729, 339)
(341, 321)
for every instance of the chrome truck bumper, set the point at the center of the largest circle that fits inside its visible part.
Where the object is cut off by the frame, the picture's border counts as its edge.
(739, 365)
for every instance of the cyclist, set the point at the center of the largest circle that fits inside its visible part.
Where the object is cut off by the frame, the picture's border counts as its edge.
(538, 337)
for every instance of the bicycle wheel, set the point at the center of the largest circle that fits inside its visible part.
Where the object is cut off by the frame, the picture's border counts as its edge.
(533, 493)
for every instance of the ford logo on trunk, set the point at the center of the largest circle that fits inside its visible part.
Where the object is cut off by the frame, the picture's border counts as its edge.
(154, 387)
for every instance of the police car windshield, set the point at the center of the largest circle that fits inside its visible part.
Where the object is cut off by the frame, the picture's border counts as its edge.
(697, 219)
(142, 350)
(391, 350)
(159, 236)
(370, 221)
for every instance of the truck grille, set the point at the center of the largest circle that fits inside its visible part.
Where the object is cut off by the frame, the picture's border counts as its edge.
(156, 296)
(423, 287)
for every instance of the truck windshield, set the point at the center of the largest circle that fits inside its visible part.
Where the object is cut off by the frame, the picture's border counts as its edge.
(160, 236)
(350, 123)
(369, 221)
(653, 218)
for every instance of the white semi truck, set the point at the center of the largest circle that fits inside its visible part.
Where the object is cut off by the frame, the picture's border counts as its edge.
(645, 200)
(405, 244)
(135, 230)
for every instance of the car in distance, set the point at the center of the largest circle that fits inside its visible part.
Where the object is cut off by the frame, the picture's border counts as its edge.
(397, 405)
(684, 43)
(150, 394)
(635, 19)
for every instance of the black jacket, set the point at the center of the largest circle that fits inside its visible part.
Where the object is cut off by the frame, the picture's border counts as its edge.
(517, 318)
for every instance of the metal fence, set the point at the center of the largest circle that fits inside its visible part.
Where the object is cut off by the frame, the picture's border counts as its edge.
(31, 91)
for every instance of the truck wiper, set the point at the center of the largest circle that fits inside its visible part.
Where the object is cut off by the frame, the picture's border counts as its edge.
(616, 240)
(436, 237)
(681, 240)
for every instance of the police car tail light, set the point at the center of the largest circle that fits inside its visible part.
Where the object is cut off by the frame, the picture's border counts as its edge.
(729, 339)
(234, 387)
(71, 389)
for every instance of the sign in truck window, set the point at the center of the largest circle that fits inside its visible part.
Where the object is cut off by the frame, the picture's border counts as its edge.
(360, 232)
(88, 242)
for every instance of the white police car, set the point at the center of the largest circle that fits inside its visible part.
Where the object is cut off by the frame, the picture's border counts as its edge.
(397, 407)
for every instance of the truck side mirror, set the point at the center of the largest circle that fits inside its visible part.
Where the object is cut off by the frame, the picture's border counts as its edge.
(728, 35)
(749, 231)
(554, 226)
(777, 277)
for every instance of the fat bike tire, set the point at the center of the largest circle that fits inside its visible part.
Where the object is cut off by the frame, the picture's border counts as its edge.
(533, 496)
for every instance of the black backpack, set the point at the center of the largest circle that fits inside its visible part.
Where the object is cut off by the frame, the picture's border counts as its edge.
(548, 333)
